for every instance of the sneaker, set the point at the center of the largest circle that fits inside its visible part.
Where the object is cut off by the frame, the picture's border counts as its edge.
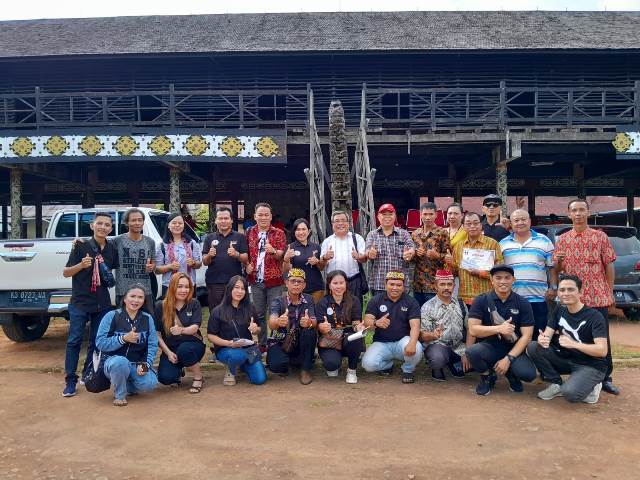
(229, 379)
(552, 391)
(487, 382)
(69, 389)
(351, 376)
(594, 395)
(438, 375)
(515, 385)
(456, 369)
(333, 373)
(609, 387)
(81, 382)
(386, 372)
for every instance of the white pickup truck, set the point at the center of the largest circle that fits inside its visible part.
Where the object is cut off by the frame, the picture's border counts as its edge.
(32, 288)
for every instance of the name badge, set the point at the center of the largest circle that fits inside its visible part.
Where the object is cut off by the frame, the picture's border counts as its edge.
(329, 311)
(296, 252)
(383, 308)
(215, 243)
(514, 311)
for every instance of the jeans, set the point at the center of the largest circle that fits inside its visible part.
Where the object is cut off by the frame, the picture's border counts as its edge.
(439, 356)
(582, 378)
(148, 306)
(215, 292)
(332, 358)
(237, 357)
(262, 297)
(278, 360)
(125, 378)
(380, 356)
(77, 322)
(423, 297)
(484, 355)
(189, 353)
(540, 314)
(605, 313)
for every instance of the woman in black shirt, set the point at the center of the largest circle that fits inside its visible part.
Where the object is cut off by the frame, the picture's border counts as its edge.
(231, 329)
(305, 255)
(178, 318)
(339, 315)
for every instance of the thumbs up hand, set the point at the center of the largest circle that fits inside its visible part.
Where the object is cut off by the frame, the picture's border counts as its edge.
(355, 255)
(324, 327)
(289, 254)
(329, 254)
(372, 253)
(132, 336)
(448, 258)
(507, 328)
(283, 320)
(253, 327)
(149, 266)
(305, 320)
(383, 322)
(543, 339)
(86, 262)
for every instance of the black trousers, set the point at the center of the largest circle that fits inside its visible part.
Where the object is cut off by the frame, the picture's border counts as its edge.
(215, 292)
(189, 353)
(332, 358)
(484, 355)
(278, 361)
(605, 313)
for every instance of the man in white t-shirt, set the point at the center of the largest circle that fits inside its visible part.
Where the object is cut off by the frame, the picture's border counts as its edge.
(344, 251)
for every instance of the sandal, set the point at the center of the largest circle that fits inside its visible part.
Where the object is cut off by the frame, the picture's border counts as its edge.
(408, 378)
(197, 388)
(120, 403)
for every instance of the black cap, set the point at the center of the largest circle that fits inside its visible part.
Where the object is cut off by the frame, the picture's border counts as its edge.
(501, 268)
(493, 198)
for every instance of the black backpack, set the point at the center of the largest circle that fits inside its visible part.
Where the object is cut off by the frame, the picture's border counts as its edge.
(94, 378)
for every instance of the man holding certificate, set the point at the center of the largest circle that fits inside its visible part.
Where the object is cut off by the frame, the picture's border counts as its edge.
(472, 259)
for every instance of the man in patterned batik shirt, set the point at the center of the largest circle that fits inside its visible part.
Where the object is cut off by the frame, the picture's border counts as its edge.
(588, 254)
(432, 244)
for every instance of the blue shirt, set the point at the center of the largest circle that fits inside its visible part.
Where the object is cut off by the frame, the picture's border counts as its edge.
(529, 261)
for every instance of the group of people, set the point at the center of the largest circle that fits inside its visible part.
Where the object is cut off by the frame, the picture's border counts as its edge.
(472, 296)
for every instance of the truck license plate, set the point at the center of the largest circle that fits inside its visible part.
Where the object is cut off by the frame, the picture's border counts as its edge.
(28, 297)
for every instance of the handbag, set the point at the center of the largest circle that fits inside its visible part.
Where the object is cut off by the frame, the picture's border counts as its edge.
(106, 277)
(331, 339)
(290, 341)
(95, 380)
(364, 285)
(252, 351)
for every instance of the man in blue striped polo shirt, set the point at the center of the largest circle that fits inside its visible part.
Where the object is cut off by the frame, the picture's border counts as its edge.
(530, 254)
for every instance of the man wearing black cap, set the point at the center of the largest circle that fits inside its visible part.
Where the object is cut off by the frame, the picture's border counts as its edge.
(503, 321)
(491, 223)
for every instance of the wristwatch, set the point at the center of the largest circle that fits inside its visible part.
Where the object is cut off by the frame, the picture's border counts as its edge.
(511, 358)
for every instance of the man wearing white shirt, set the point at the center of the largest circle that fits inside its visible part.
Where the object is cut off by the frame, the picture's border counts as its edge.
(340, 252)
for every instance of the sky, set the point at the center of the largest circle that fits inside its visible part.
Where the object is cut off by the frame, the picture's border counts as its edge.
(30, 9)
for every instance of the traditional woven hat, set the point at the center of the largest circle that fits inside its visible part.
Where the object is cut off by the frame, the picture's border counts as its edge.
(444, 275)
(296, 273)
(394, 275)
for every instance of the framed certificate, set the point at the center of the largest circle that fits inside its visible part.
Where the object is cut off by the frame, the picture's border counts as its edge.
(477, 259)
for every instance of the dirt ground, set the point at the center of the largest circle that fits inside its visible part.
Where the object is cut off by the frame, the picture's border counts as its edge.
(377, 429)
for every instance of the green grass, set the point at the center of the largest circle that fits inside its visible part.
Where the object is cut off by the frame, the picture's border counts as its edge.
(622, 352)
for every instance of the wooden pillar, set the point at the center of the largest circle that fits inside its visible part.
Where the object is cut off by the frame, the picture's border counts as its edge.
(630, 208)
(578, 173)
(212, 198)
(134, 192)
(38, 207)
(5, 221)
(531, 202)
(16, 203)
(89, 197)
(174, 190)
(500, 163)
(235, 187)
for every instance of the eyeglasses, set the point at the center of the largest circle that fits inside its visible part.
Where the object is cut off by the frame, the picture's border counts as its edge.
(296, 282)
(492, 205)
(472, 224)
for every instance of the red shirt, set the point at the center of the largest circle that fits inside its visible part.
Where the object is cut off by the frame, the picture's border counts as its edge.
(272, 266)
(586, 255)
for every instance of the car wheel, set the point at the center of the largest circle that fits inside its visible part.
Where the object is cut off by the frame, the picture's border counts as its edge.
(25, 328)
(632, 313)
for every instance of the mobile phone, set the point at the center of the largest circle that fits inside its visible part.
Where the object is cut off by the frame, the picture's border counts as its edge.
(143, 366)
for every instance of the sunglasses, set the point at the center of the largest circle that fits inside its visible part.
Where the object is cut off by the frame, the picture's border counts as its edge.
(492, 205)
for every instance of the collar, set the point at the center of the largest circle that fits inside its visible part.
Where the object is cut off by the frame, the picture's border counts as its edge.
(534, 234)
(496, 298)
(231, 232)
(395, 230)
(479, 240)
(574, 233)
(386, 297)
(302, 299)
